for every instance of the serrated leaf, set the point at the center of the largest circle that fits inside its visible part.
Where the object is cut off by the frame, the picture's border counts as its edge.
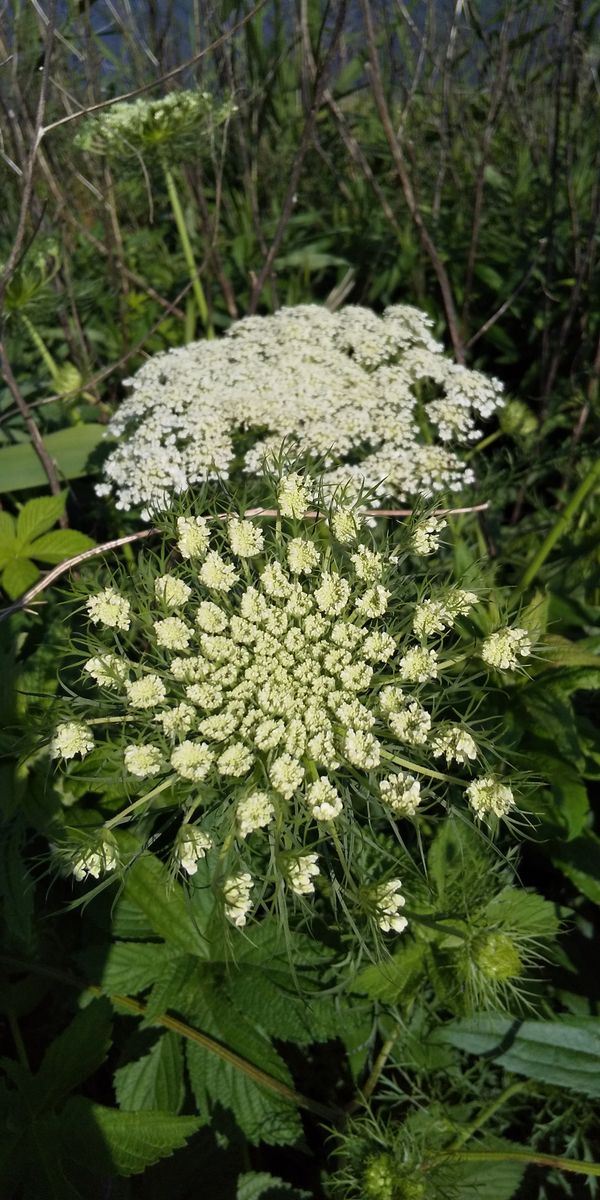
(164, 904)
(397, 979)
(56, 547)
(254, 1185)
(122, 1143)
(498, 1182)
(154, 1081)
(74, 1054)
(131, 967)
(70, 449)
(565, 1052)
(19, 575)
(564, 653)
(39, 515)
(8, 527)
(261, 1115)
(523, 911)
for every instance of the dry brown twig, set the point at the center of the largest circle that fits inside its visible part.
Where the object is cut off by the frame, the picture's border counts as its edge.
(70, 563)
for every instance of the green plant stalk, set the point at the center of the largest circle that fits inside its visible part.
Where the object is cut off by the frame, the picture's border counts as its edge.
(481, 1119)
(561, 526)
(484, 443)
(188, 252)
(522, 1156)
(41, 347)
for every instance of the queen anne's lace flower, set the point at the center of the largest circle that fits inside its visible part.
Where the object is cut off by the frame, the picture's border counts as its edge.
(143, 760)
(245, 539)
(418, 665)
(96, 860)
(455, 744)
(503, 649)
(388, 901)
(217, 574)
(70, 739)
(236, 891)
(488, 795)
(324, 800)
(401, 793)
(346, 523)
(254, 812)
(194, 536)
(173, 592)
(302, 556)
(301, 874)
(192, 760)
(172, 633)
(109, 608)
(147, 692)
(191, 845)
(345, 386)
(108, 670)
(426, 537)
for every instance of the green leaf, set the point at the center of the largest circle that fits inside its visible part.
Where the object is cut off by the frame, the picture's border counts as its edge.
(261, 1115)
(75, 1054)
(579, 860)
(565, 1052)
(155, 1081)
(7, 527)
(254, 1185)
(395, 980)
(131, 967)
(39, 515)
(69, 448)
(122, 1143)
(499, 1182)
(56, 547)
(524, 912)
(19, 575)
(164, 903)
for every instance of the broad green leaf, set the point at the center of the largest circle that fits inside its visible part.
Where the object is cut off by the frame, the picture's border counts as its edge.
(565, 1052)
(524, 912)
(564, 653)
(155, 1081)
(19, 575)
(75, 1054)
(395, 980)
(164, 903)
(7, 527)
(259, 1185)
(487, 1181)
(56, 547)
(131, 967)
(39, 515)
(70, 449)
(122, 1143)
(261, 1115)
(8, 550)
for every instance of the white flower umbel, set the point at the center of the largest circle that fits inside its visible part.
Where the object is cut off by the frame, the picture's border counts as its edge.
(401, 793)
(488, 795)
(302, 873)
(70, 739)
(324, 800)
(346, 386)
(236, 891)
(245, 539)
(109, 608)
(456, 744)
(426, 537)
(504, 648)
(254, 812)
(147, 692)
(173, 592)
(191, 845)
(388, 902)
(193, 540)
(108, 670)
(143, 761)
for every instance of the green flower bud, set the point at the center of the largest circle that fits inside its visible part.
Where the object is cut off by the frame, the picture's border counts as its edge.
(517, 420)
(497, 956)
(378, 1179)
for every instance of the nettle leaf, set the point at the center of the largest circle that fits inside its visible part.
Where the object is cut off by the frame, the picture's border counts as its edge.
(154, 1081)
(498, 1182)
(131, 967)
(122, 1143)
(396, 980)
(60, 545)
(268, 998)
(37, 516)
(165, 905)
(8, 528)
(261, 1115)
(259, 1185)
(19, 575)
(565, 1052)
(524, 911)
(75, 1054)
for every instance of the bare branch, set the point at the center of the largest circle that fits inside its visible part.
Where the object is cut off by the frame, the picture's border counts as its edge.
(36, 438)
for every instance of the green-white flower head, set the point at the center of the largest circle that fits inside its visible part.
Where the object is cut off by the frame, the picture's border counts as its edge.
(169, 127)
(504, 648)
(374, 397)
(284, 710)
(98, 858)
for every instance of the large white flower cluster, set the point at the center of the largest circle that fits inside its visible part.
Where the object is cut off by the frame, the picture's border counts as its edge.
(375, 397)
(283, 685)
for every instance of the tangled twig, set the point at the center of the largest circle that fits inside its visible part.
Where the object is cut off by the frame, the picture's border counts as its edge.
(69, 563)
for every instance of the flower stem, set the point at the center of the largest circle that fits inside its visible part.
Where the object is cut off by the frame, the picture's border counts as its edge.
(41, 347)
(561, 525)
(528, 1157)
(188, 252)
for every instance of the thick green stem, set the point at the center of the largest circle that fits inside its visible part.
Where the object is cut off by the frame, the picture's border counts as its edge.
(560, 527)
(484, 443)
(41, 347)
(188, 253)
(486, 1113)
(529, 1157)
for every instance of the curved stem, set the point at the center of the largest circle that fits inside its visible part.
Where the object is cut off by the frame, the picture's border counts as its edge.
(528, 1157)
